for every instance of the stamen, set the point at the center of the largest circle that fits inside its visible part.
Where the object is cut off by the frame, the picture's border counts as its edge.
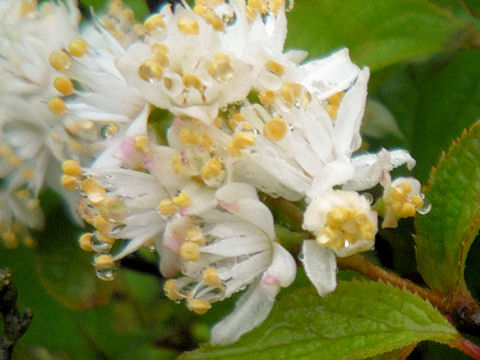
(85, 242)
(188, 26)
(69, 182)
(195, 235)
(275, 67)
(182, 200)
(192, 80)
(150, 70)
(171, 291)
(166, 207)
(267, 97)
(71, 167)
(275, 129)
(189, 251)
(63, 85)
(211, 169)
(221, 69)
(60, 60)
(57, 106)
(95, 192)
(78, 47)
(154, 22)
(211, 278)
(198, 306)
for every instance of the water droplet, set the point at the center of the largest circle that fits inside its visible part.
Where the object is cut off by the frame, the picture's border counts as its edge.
(98, 245)
(427, 206)
(151, 248)
(369, 197)
(107, 274)
(301, 256)
(108, 131)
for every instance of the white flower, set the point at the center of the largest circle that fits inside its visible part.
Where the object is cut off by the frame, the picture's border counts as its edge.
(343, 224)
(223, 250)
(402, 198)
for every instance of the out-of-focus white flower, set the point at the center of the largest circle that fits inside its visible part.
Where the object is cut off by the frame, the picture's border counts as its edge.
(223, 250)
(343, 224)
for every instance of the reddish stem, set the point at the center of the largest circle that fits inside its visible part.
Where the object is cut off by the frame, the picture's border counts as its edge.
(468, 348)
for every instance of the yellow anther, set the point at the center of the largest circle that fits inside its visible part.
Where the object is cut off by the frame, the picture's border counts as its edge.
(85, 242)
(95, 192)
(5, 150)
(417, 201)
(242, 140)
(28, 174)
(78, 47)
(407, 210)
(71, 167)
(103, 262)
(218, 122)
(142, 144)
(397, 205)
(275, 129)
(275, 67)
(171, 291)
(22, 194)
(69, 182)
(29, 241)
(336, 99)
(33, 204)
(57, 106)
(105, 238)
(102, 225)
(188, 26)
(154, 22)
(276, 5)
(60, 60)
(10, 240)
(177, 164)
(190, 251)
(259, 5)
(168, 83)
(150, 70)
(113, 209)
(15, 161)
(233, 150)
(221, 69)
(195, 235)
(200, 9)
(63, 85)
(187, 136)
(211, 169)
(198, 306)
(159, 52)
(397, 194)
(337, 216)
(332, 110)
(406, 188)
(267, 97)
(291, 91)
(192, 80)
(234, 120)
(26, 7)
(212, 19)
(211, 278)
(166, 207)
(182, 200)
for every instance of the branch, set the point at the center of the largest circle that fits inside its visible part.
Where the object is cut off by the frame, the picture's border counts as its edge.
(14, 323)
(363, 266)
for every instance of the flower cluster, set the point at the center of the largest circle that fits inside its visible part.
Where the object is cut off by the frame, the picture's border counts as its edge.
(249, 121)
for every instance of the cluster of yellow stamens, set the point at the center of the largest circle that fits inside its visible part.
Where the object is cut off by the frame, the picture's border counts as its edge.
(13, 233)
(61, 61)
(344, 227)
(404, 203)
(169, 206)
(120, 22)
(291, 94)
(174, 291)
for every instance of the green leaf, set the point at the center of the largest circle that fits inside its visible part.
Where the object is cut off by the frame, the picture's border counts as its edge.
(377, 32)
(357, 321)
(445, 235)
(449, 102)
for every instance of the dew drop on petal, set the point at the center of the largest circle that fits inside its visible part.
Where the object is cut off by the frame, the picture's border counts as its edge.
(98, 245)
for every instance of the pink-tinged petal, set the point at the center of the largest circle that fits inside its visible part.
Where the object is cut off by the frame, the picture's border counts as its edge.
(321, 266)
(282, 270)
(169, 262)
(250, 311)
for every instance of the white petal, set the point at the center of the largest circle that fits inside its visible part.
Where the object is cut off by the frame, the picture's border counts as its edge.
(283, 269)
(250, 311)
(321, 266)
